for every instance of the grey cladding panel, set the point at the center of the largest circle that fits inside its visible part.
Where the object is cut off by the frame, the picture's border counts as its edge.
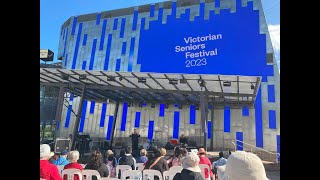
(87, 17)
(270, 58)
(181, 3)
(167, 5)
(117, 12)
(144, 8)
(67, 23)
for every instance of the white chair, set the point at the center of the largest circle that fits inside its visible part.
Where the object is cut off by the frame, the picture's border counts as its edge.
(132, 174)
(122, 168)
(140, 166)
(203, 167)
(176, 168)
(70, 173)
(60, 168)
(150, 173)
(169, 174)
(220, 171)
(89, 173)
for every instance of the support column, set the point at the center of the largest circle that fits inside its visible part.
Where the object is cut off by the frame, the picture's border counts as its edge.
(212, 122)
(78, 116)
(114, 123)
(59, 108)
(204, 118)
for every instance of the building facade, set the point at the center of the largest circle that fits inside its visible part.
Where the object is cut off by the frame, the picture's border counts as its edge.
(230, 36)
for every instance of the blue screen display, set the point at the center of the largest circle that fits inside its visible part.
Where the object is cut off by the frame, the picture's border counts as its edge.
(226, 43)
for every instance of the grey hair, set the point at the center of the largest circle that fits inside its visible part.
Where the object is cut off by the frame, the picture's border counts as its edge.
(73, 156)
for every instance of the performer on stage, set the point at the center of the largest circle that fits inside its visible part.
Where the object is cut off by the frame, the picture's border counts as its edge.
(135, 142)
(183, 140)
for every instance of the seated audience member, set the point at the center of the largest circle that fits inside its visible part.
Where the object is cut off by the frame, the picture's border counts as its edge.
(73, 158)
(191, 169)
(143, 156)
(204, 160)
(128, 159)
(47, 171)
(163, 152)
(96, 163)
(62, 160)
(174, 160)
(150, 158)
(243, 166)
(220, 162)
(183, 140)
(184, 152)
(111, 163)
(54, 157)
(157, 163)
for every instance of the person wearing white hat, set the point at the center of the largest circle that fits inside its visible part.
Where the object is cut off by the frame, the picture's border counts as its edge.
(111, 163)
(243, 166)
(191, 169)
(48, 171)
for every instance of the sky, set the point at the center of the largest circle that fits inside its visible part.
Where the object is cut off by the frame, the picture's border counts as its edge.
(53, 13)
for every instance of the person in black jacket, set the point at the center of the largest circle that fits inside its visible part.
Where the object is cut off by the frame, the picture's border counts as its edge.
(191, 169)
(183, 141)
(135, 142)
(96, 163)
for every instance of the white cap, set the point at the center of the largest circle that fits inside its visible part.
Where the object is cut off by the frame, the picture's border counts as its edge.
(191, 162)
(244, 166)
(44, 150)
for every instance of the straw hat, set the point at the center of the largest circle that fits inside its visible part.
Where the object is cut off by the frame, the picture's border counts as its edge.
(202, 151)
(244, 166)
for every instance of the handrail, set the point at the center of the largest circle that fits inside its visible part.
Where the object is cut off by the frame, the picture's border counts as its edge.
(278, 154)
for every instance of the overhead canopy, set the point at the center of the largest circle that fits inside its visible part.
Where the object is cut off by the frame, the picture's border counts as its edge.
(141, 87)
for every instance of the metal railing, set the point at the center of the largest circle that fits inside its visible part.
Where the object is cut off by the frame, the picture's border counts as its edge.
(252, 146)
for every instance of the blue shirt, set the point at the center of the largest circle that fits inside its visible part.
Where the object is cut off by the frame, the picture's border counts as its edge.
(61, 161)
(142, 159)
(221, 162)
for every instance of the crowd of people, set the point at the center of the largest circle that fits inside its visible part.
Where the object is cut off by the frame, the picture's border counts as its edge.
(238, 166)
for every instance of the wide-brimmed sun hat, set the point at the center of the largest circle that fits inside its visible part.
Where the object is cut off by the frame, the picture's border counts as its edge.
(191, 162)
(244, 166)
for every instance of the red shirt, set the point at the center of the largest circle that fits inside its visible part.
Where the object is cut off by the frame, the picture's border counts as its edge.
(205, 160)
(73, 166)
(49, 171)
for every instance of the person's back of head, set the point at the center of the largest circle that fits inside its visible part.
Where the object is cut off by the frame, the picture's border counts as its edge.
(184, 152)
(163, 152)
(128, 150)
(143, 152)
(151, 156)
(244, 166)
(156, 152)
(220, 154)
(45, 152)
(177, 151)
(73, 156)
(96, 159)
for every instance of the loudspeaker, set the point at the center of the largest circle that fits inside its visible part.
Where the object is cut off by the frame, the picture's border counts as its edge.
(62, 144)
